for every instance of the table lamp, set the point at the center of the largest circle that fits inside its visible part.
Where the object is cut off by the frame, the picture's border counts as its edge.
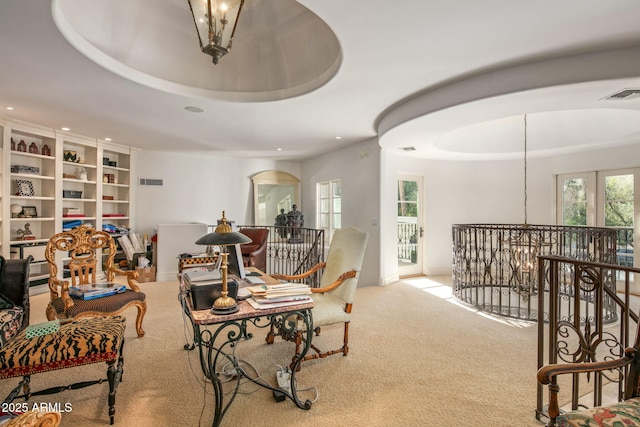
(223, 236)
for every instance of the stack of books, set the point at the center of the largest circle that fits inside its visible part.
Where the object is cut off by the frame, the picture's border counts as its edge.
(280, 295)
(98, 290)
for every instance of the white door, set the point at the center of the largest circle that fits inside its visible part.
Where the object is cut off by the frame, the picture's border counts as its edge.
(410, 228)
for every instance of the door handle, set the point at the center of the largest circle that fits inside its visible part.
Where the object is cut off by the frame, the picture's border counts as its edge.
(421, 232)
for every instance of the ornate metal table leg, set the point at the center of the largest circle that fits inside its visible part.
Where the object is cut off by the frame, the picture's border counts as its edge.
(211, 355)
(181, 296)
(299, 323)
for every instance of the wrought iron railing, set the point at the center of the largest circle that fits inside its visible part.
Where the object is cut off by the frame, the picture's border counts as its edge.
(292, 251)
(577, 330)
(625, 246)
(494, 266)
(407, 242)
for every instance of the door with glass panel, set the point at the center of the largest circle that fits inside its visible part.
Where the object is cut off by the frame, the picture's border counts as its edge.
(616, 193)
(603, 199)
(576, 201)
(329, 213)
(410, 228)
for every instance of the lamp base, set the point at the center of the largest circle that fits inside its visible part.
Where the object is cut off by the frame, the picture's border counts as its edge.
(225, 310)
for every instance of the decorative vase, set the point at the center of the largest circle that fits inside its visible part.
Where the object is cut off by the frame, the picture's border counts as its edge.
(46, 151)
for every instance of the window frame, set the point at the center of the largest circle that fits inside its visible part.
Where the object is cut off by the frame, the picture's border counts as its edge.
(330, 214)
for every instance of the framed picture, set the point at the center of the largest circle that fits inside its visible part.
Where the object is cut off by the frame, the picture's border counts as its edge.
(29, 212)
(25, 188)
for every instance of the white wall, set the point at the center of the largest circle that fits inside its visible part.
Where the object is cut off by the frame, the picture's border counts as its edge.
(358, 167)
(198, 187)
(481, 192)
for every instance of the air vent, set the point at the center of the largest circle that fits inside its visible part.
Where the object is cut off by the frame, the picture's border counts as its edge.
(408, 148)
(148, 181)
(624, 94)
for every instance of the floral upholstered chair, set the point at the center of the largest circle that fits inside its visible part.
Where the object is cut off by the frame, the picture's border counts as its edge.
(82, 246)
(625, 413)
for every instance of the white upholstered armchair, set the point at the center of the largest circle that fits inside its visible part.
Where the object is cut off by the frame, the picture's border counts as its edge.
(335, 296)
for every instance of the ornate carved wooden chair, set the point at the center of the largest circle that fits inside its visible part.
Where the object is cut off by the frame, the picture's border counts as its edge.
(335, 296)
(82, 245)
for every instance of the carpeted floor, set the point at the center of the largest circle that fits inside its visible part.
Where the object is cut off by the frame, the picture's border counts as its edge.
(417, 358)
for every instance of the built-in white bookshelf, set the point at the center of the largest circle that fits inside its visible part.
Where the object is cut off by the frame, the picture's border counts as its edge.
(50, 178)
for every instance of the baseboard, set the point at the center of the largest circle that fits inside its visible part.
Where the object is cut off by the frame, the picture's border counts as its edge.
(390, 279)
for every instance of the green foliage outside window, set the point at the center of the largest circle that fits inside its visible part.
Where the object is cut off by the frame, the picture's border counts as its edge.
(574, 206)
(407, 198)
(618, 196)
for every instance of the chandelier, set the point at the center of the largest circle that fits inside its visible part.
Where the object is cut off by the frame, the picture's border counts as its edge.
(215, 22)
(525, 244)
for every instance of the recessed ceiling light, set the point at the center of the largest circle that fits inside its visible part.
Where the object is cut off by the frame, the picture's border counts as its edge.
(338, 137)
(9, 108)
(65, 129)
(192, 109)
(278, 149)
(107, 139)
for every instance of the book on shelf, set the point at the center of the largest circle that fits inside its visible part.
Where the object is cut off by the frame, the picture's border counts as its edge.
(96, 290)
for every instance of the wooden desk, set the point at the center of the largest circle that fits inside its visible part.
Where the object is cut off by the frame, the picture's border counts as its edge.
(215, 345)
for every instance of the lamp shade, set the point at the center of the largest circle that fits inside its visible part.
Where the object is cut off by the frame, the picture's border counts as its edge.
(215, 22)
(223, 239)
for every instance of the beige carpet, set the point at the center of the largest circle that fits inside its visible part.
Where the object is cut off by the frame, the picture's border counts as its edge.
(417, 358)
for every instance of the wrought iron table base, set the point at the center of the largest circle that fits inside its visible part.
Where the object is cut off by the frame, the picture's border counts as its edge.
(229, 333)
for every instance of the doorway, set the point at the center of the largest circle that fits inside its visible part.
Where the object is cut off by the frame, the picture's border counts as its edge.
(410, 227)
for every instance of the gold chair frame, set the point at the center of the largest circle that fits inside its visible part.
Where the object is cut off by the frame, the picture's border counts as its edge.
(82, 244)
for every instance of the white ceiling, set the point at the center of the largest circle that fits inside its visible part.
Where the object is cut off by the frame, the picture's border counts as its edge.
(452, 79)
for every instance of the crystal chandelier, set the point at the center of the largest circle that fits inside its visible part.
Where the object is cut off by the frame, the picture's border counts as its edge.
(215, 22)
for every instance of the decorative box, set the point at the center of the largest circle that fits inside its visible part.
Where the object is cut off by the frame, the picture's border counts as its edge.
(71, 194)
(70, 156)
